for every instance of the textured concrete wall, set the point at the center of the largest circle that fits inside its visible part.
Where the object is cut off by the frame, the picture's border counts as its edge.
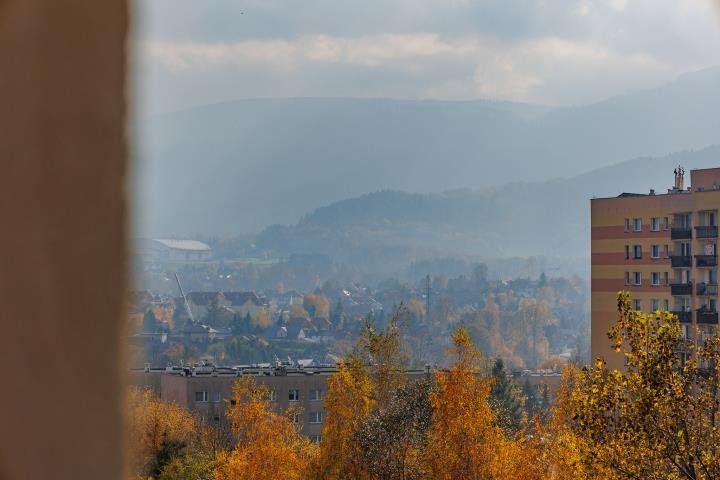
(62, 244)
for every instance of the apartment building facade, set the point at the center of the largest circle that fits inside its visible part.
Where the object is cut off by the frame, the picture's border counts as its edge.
(207, 391)
(662, 248)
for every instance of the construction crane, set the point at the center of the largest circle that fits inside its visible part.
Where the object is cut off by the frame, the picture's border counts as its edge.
(185, 301)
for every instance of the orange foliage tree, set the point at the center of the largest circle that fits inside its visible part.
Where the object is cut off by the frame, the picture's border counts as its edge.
(317, 305)
(268, 445)
(464, 437)
(348, 404)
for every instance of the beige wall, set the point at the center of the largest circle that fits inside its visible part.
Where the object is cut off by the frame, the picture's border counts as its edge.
(62, 214)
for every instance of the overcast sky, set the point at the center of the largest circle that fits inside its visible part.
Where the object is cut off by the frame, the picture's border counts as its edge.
(553, 52)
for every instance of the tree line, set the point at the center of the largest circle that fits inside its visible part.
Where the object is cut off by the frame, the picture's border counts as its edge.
(656, 419)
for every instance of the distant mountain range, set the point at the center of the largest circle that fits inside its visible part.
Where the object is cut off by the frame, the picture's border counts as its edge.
(549, 219)
(241, 166)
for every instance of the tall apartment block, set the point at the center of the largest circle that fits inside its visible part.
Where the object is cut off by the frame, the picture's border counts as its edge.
(660, 247)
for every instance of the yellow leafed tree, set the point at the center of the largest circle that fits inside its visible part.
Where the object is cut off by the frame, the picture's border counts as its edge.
(348, 404)
(269, 445)
(464, 438)
(153, 424)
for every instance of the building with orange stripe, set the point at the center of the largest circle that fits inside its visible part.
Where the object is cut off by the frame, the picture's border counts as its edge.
(660, 247)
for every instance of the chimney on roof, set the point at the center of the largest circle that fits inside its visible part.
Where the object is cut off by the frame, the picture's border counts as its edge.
(652, 191)
(679, 178)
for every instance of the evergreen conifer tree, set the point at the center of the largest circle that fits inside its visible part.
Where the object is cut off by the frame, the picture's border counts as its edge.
(505, 399)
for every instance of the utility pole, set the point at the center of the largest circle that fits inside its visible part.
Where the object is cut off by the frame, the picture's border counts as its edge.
(428, 291)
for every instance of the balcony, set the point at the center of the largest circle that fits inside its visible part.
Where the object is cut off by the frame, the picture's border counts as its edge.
(706, 231)
(684, 317)
(710, 289)
(680, 233)
(681, 288)
(705, 260)
(680, 261)
(706, 316)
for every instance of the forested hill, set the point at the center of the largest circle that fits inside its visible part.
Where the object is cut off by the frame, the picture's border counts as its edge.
(240, 166)
(521, 219)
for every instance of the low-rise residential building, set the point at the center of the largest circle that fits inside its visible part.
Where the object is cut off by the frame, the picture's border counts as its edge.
(207, 390)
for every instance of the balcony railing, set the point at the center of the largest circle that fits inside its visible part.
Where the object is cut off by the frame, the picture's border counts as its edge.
(705, 260)
(681, 288)
(680, 261)
(684, 317)
(707, 289)
(707, 316)
(680, 233)
(706, 231)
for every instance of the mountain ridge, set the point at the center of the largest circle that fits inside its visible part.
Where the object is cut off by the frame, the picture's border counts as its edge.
(239, 167)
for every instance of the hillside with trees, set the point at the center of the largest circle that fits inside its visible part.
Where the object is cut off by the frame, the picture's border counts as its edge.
(237, 167)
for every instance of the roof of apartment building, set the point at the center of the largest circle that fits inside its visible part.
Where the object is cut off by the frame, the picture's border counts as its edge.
(701, 180)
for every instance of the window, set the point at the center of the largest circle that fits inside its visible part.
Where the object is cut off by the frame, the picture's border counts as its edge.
(316, 395)
(316, 417)
(655, 224)
(666, 304)
(216, 418)
(627, 252)
(216, 397)
(655, 278)
(666, 278)
(201, 396)
(627, 224)
(296, 418)
(655, 304)
(315, 438)
(655, 251)
(627, 278)
(638, 278)
(637, 304)
(637, 251)
(666, 251)
(685, 250)
(637, 224)
(684, 330)
(273, 395)
(294, 395)
(666, 223)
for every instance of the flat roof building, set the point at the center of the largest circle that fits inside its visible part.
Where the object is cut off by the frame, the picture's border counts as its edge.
(171, 250)
(207, 390)
(660, 247)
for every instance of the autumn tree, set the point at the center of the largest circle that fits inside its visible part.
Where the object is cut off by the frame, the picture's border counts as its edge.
(298, 311)
(159, 433)
(658, 418)
(262, 318)
(317, 305)
(464, 437)
(268, 445)
(348, 403)
(382, 351)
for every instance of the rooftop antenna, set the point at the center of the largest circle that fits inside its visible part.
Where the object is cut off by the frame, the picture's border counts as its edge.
(185, 300)
(679, 178)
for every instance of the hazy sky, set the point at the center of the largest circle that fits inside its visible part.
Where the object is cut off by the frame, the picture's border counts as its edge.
(557, 52)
